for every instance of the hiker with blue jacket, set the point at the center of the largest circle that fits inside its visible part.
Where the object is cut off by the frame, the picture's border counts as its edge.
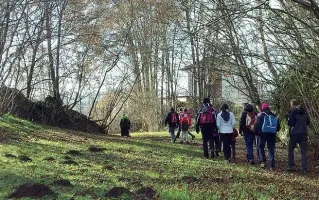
(226, 123)
(266, 127)
(298, 121)
(206, 122)
(172, 120)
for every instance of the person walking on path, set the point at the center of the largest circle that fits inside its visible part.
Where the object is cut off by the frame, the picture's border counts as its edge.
(298, 120)
(206, 123)
(172, 121)
(246, 128)
(185, 123)
(125, 125)
(180, 114)
(266, 127)
(226, 123)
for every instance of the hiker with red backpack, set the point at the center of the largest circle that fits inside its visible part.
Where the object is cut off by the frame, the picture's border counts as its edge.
(246, 128)
(226, 123)
(180, 114)
(185, 123)
(266, 127)
(206, 122)
(172, 121)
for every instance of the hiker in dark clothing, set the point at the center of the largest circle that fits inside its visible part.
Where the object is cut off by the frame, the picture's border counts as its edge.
(246, 128)
(266, 127)
(125, 126)
(298, 121)
(172, 120)
(206, 122)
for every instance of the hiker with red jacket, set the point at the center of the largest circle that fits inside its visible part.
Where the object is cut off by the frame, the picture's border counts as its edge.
(172, 121)
(266, 127)
(233, 143)
(185, 123)
(298, 120)
(226, 123)
(180, 114)
(206, 122)
(246, 128)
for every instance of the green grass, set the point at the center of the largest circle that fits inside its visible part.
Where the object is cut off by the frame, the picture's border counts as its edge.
(175, 171)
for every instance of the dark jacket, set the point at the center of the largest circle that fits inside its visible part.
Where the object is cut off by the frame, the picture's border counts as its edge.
(260, 121)
(207, 129)
(242, 123)
(298, 120)
(168, 120)
(125, 123)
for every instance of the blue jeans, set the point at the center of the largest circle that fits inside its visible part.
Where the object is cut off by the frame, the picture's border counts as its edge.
(270, 139)
(302, 141)
(249, 141)
(171, 131)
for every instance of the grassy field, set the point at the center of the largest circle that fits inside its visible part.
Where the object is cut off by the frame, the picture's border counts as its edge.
(146, 160)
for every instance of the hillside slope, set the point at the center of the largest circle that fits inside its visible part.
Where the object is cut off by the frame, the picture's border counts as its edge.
(145, 166)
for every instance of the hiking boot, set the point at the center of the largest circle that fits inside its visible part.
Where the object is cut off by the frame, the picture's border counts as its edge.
(291, 169)
(304, 171)
(234, 157)
(193, 137)
(181, 142)
(272, 169)
(187, 142)
(262, 165)
(129, 136)
(227, 161)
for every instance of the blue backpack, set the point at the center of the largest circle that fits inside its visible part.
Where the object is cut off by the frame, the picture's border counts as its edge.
(270, 124)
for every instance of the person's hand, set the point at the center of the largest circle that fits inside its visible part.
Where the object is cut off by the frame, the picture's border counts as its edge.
(241, 133)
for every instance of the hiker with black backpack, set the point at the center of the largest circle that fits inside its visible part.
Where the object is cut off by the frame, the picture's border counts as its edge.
(246, 128)
(226, 123)
(266, 127)
(298, 120)
(206, 122)
(125, 125)
(172, 121)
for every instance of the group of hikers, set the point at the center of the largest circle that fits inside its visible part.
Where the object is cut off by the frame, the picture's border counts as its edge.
(219, 132)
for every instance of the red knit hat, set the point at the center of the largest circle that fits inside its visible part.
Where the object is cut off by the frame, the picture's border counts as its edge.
(265, 105)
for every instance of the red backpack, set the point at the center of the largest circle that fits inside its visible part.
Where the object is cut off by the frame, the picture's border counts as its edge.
(173, 118)
(184, 118)
(206, 116)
